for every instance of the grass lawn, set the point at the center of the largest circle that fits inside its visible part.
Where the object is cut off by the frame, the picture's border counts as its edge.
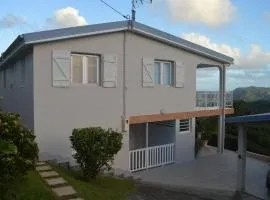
(31, 187)
(103, 188)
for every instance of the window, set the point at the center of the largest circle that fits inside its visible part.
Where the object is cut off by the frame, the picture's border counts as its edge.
(163, 72)
(185, 126)
(84, 69)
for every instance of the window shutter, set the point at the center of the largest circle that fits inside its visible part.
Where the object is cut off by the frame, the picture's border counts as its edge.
(61, 68)
(179, 74)
(109, 78)
(148, 72)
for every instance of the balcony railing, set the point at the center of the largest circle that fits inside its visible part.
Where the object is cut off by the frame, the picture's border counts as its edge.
(210, 99)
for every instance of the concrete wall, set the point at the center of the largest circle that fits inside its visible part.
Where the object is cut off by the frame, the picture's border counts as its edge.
(185, 144)
(18, 96)
(59, 110)
(141, 100)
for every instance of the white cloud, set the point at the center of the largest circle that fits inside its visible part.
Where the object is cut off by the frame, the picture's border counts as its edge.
(10, 21)
(206, 42)
(66, 17)
(210, 12)
(249, 69)
(256, 58)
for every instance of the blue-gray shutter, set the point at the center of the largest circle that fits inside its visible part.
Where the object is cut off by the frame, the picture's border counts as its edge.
(109, 71)
(148, 72)
(179, 74)
(61, 68)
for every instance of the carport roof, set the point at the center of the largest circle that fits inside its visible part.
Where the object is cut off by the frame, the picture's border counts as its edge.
(249, 118)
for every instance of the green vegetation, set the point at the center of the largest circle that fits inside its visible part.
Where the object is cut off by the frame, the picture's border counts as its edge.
(101, 188)
(95, 149)
(18, 150)
(249, 94)
(29, 187)
(258, 135)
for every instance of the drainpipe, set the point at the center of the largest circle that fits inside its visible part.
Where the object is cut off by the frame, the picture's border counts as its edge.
(124, 89)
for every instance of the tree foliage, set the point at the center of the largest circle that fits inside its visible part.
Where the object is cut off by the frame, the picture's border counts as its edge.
(95, 149)
(18, 149)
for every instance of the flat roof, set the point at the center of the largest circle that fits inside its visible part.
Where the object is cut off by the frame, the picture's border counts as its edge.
(249, 118)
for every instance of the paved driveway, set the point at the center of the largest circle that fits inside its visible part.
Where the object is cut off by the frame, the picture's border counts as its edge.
(213, 172)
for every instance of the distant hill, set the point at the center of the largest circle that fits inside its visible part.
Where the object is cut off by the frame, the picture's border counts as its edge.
(252, 93)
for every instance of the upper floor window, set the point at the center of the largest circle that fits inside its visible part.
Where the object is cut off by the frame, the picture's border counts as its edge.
(185, 126)
(163, 72)
(84, 69)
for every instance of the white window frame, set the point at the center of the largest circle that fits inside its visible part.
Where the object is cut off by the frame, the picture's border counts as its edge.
(85, 69)
(162, 62)
(185, 123)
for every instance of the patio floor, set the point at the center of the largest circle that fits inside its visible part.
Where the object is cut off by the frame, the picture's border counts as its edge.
(211, 171)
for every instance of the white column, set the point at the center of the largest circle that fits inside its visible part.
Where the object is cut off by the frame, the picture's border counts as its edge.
(241, 160)
(221, 123)
(146, 145)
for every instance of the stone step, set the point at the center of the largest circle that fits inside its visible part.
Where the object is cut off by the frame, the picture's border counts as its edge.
(55, 181)
(64, 191)
(40, 163)
(48, 174)
(43, 168)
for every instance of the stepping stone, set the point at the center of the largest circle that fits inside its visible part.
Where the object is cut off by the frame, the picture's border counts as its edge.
(41, 163)
(55, 181)
(43, 168)
(64, 191)
(76, 199)
(48, 174)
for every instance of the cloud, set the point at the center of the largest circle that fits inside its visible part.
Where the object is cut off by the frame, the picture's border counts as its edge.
(256, 58)
(210, 12)
(11, 21)
(249, 69)
(206, 42)
(66, 17)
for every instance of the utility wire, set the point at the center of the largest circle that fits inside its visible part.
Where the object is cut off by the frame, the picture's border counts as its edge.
(125, 16)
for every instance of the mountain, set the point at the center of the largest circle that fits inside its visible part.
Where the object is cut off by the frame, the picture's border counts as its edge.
(252, 93)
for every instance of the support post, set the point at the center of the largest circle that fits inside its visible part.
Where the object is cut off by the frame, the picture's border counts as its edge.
(146, 146)
(221, 123)
(241, 160)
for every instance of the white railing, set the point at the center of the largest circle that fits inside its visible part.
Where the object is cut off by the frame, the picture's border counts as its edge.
(155, 156)
(211, 99)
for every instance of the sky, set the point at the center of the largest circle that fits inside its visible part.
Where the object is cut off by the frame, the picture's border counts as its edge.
(237, 28)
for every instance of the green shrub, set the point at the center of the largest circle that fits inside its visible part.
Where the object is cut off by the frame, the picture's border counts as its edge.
(18, 149)
(95, 149)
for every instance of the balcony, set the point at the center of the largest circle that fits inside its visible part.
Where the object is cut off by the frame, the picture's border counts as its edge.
(210, 100)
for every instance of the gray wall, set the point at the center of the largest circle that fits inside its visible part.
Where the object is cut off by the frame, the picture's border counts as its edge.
(59, 110)
(141, 100)
(19, 97)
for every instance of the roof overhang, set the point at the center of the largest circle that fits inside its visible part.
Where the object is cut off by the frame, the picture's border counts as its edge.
(97, 29)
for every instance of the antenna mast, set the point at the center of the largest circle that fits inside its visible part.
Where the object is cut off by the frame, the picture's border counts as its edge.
(133, 9)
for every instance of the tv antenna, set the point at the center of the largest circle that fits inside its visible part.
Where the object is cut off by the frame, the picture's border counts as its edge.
(136, 4)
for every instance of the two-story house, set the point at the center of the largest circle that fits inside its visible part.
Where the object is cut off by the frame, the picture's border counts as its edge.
(121, 75)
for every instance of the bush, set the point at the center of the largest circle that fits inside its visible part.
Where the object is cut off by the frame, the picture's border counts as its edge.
(18, 150)
(95, 149)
